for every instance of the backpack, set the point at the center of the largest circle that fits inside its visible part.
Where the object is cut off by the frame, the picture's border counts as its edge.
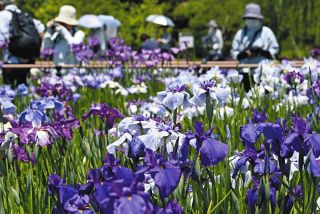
(25, 41)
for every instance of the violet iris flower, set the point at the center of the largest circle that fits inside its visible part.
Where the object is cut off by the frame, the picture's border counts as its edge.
(314, 91)
(200, 93)
(64, 127)
(211, 150)
(114, 189)
(315, 155)
(104, 112)
(85, 55)
(248, 134)
(21, 154)
(174, 97)
(252, 195)
(166, 174)
(294, 78)
(47, 53)
(298, 138)
(34, 114)
(136, 148)
(258, 117)
(94, 44)
(7, 107)
(55, 182)
(44, 136)
(22, 90)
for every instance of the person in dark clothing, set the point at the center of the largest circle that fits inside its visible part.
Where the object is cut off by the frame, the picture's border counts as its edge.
(148, 43)
(13, 76)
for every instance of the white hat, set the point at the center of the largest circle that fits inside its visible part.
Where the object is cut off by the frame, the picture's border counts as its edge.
(213, 23)
(67, 15)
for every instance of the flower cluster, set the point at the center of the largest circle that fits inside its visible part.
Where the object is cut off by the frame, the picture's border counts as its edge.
(112, 189)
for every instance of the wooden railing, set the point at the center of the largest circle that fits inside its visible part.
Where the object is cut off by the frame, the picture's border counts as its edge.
(173, 64)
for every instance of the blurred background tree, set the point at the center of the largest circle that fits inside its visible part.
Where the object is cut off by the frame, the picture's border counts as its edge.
(295, 22)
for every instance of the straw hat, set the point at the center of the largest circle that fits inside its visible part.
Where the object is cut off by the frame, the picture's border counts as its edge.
(67, 15)
(252, 11)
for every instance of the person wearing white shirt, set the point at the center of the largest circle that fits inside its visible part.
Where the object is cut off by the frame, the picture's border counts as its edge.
(254, 42)
(61, 34)
(13, 76)
(213, 42)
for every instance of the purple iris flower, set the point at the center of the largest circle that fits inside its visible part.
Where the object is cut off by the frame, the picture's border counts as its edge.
(47, 53)
(85, 55)
(116, 72)
(252, 195)
(115, 189)
(294, 78)
(44, 135)
(211, 150)
(314, 91)
(264, 166)
(64, 128)
(41, 135)
(174, 97)
(166, 174)
(20, 154)
(57, 90)
(136, 148)
(298, 138)
(75, 48)
(248, 134)
(258, 117)
(104, 112)
(315, 155)
(54, 183)
(94, 44)
(173, 207)
(79, 202)
(273, 134)
(131, 204)
(7, 107)
(34, 114)
(252, 198)
(22, 90)
(315, 53)
(207, 84)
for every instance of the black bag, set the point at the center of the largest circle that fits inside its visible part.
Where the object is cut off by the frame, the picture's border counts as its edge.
(25, 41)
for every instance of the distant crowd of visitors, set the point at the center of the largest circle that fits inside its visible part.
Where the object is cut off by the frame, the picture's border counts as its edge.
(22, 37)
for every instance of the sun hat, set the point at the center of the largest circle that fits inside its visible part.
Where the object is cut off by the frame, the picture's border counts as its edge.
(252, 11)
(212, 23)
(67, 15)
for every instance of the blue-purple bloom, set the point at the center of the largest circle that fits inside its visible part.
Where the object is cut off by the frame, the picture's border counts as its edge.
(211, 151)
(105, 113)
(294, 78)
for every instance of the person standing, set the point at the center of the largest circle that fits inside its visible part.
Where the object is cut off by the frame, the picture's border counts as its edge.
(213, 42)
(165, 40)
(148, 43)
(61, 33)
(254, 42)
(23, 43)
